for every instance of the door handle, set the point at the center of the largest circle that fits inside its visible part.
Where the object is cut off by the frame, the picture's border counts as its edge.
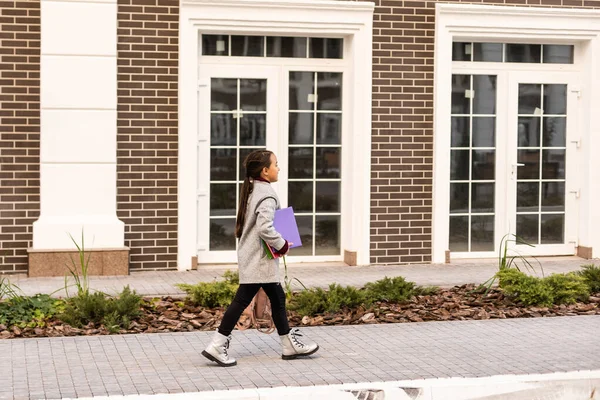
(513, 172)
(518, 165)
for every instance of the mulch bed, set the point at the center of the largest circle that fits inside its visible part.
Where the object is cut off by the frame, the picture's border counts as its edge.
(167, 314)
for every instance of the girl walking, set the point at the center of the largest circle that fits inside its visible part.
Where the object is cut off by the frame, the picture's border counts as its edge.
(258, 202)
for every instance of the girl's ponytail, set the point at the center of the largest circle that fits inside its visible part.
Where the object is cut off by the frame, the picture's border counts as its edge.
(253, 164)
(247, 187)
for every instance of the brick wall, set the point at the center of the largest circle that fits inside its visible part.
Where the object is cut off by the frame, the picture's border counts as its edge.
(402, 150)
(19, 130)
(147, 130)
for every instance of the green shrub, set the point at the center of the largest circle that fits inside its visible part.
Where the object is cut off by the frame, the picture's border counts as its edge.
(309, 302)
(113, 313)
(568, 288)
(393, 290)
(339, 297)
(210, 294)
(29, 311)
(232, 277)
(426, 290)
(591, 274)
(529, 290)
(554, 289)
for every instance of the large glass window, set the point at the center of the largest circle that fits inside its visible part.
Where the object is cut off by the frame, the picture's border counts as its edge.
(315, 148)
(541, 154)
(237, 127)
(473, 163)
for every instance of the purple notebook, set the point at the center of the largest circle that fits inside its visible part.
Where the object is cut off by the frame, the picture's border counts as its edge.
(285, 223)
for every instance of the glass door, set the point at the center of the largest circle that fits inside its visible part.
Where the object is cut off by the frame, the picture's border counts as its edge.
(543, 190)
(238, 114)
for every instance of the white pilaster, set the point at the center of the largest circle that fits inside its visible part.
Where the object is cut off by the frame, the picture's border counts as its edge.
(78, 101)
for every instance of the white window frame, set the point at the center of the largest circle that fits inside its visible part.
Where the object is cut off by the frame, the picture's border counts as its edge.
(318, 18)
(466, 22)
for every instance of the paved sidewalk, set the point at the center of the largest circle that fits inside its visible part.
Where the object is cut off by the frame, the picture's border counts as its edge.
(158, 283)
(171, 363)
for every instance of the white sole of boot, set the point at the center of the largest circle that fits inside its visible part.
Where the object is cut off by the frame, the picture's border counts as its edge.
(293, 356)
(213, 358)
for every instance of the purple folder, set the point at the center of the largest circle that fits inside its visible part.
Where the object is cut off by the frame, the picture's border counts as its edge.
(285, 223)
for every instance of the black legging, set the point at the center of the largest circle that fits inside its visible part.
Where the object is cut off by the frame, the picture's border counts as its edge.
(243, 297)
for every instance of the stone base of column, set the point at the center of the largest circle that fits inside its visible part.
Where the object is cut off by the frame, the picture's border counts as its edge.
(104, 262)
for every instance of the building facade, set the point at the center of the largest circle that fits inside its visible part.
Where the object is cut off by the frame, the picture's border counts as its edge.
(407, 131)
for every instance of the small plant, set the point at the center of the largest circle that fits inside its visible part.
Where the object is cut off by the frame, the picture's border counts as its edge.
(287, 282)
(98, 309)
(568, 288)
(392, 290)
(591, 274)
(507, 261)
(81, 280)
(29, 311)
(339, 297)
(232, 277)
(426, 290)
(8, 289)
(309, 302)
(210, 294)
(554, 289)
(527, 289)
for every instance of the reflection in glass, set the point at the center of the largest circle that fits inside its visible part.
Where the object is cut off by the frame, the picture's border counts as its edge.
(555, 99)
(553, 196)
(484, 131)
(222, 235)
(553, 164)
(328, 162)
(459, 233)
(527, 227)
(488, 52)
(484, 101)
(523, 53)
(222, 199)
(459, 165)
(301, 162)
(215, 45)
(286, 47)
(253, 130)
(531, 169)
(484, 164)
(222, 164)
(253, 94)
(329, 128)
(328, 197)
(529, 132)
(305, 228)
(459, 198)
(461, 51)
(300, 195)
(329, 90)
(530, 98)
(460, 103)
(555, 132)
(326, 48)
(301, 128)
(528, 196)
(460, 132)
(558, 54)
(482, 197)
(482, 233)
(327, 235)
(302, 84)
(223, 129)
(247, 46)
(223, 94)
(553, 228)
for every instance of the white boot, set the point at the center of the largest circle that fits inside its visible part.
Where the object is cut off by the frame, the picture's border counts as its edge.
(217, 350)
(295, 344)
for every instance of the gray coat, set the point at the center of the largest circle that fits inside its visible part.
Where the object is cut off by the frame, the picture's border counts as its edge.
(253, 263)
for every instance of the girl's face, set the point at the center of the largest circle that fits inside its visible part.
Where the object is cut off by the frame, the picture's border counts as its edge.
(272, 173)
